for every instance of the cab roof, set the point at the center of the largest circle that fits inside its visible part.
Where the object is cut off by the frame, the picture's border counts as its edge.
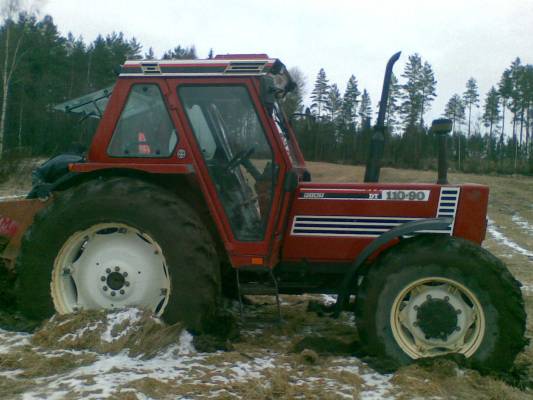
(227, 64)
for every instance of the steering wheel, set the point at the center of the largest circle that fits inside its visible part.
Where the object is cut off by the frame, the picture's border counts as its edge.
(239, 158)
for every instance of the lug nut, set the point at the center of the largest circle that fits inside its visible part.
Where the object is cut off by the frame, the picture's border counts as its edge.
(117, 268)
(126, 283)
(428, 297)
(108, 270)
(122, 291)
(458, 311)
(124, 274)
(102, 278)
(104, 288)
(457, 328)
(446, 298)
(66, 271)
(415, 308)
(164, 291)
(113, 293)
(415, 323)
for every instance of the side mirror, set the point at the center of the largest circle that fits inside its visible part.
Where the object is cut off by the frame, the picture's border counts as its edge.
(291, 182)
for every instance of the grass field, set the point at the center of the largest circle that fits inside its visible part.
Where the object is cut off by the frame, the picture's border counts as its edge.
(129, 355)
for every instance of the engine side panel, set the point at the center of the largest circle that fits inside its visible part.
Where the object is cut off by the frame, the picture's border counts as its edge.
(335, 222)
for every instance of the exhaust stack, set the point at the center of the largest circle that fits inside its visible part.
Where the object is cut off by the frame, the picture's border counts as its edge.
(373, 163)
(441, 127)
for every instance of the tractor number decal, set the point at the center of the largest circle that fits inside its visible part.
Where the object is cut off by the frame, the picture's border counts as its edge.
(365, 194)
(363, 226)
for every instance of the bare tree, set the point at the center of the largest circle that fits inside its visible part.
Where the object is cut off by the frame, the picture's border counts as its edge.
(8, 12)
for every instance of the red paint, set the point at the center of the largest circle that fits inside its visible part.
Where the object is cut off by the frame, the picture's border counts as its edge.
(8, 227)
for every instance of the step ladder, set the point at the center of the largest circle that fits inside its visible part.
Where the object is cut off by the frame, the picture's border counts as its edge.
(257, 281)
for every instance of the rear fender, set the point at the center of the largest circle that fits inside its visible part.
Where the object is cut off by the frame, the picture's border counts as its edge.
(15, 218)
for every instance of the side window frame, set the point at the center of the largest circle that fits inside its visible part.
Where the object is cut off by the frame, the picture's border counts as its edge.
(172, 124)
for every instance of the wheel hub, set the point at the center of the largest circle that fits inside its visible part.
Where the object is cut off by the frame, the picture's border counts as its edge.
(115, 280)
(437, 319)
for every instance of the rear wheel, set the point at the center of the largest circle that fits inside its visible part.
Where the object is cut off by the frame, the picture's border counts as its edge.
(115, 243)
(435, 295)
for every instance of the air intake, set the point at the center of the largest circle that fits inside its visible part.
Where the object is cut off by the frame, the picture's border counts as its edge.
(150, 68)
(245, 67)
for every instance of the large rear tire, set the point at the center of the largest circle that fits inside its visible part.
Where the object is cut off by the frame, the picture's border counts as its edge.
(118, 242)
(435, 295)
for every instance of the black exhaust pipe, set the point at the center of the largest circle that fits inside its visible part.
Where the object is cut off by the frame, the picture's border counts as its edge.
(441, 127)
(373, 164)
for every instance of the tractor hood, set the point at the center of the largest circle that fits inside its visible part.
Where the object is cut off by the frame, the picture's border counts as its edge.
(335, 221)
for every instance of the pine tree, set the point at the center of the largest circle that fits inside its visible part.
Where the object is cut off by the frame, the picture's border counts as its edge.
(393, 106)
(418, 92)
(150, 54)
(455, 110)
(471, 98)
(428, 90)
(333, 104)
(349, 103)
(180, 53)
(491, 113)
(319, 93)
(365, 110)
(505, 88)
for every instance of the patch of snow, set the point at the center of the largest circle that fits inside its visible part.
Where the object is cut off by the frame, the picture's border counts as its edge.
(79, 333)
(522, 223)
(502, 239)
(10, 340)
(114, 319)
(185, 345)
(329, 299)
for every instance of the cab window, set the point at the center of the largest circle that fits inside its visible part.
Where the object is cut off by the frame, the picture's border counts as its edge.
(239, 158)
(144, 128)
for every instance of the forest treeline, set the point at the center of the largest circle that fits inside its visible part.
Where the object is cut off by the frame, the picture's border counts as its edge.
(40, 68)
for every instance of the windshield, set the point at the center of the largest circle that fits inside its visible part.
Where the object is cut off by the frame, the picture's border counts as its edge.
(237, 153)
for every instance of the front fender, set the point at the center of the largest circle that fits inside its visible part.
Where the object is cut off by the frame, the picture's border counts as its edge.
(407, 229)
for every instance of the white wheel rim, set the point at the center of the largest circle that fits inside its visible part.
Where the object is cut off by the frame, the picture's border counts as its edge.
(410, 329)
(110, 266)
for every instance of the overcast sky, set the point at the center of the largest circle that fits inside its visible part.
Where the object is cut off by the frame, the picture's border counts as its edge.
(458, 38)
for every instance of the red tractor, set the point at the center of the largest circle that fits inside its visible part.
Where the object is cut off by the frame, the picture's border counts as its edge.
(194, 181)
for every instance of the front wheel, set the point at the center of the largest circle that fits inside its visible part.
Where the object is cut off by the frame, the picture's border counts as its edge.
(435, 295)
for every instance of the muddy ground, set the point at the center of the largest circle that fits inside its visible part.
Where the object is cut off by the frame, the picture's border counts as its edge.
(129, 355)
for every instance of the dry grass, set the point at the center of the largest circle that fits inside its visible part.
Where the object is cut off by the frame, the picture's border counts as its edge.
(145, 336)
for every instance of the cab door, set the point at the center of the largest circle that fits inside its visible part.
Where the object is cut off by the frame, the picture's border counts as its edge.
(239, 164)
